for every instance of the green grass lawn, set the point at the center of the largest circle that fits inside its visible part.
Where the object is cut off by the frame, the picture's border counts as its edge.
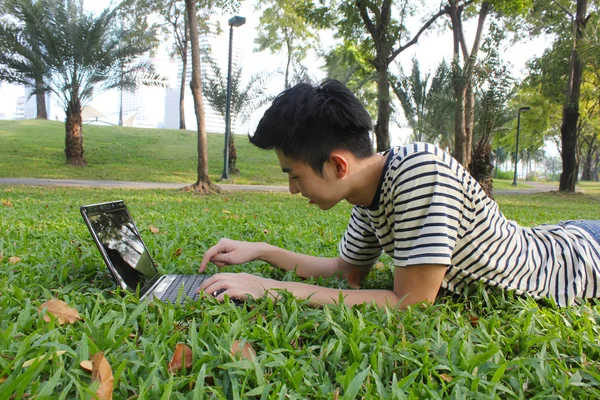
(36, 149)
(480, 345)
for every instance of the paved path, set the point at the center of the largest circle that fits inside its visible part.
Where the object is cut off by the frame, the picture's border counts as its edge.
(131, 185)
(536, 186)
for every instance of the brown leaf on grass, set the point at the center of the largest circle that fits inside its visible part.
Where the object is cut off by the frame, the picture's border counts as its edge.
(446, 377)
(2, 379)
(226, 212)
(354, 278)
(102, 373)
(6, 203)
(380, 265)
(29, 363)
(336, 394)
(14, 260)
(86, 365)
(474, 321)
(154, 229)
(178, 252)
(182, 354)
(246, 352)
(266, 231)
(60, 309)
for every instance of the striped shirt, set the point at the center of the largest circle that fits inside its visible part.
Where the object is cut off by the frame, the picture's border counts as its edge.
(429, 210)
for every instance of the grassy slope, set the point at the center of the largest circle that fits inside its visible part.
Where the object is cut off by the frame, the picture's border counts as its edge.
(35, 149)
(478, 346)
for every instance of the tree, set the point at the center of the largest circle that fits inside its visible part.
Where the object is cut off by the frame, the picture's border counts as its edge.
(84, 56)
(21, 60)
(427, 103)
(495, 90)
(245, 99)
(465, 62)
(203, 185)
(283, 25)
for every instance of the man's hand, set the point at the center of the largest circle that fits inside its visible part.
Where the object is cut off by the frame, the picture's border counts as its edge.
(239, 286)
(231, 252)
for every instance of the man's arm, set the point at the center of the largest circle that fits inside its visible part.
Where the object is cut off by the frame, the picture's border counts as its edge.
(412, 285)
(230, 252)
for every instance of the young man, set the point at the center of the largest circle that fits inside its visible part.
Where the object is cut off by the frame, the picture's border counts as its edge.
(415, 202)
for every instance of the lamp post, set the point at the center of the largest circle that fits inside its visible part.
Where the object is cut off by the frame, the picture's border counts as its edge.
(233, 21)
(517, 150)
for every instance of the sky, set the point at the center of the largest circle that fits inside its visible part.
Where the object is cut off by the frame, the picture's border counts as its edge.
(431, 48)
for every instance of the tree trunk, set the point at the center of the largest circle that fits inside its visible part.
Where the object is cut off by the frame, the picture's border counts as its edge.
(184, 54)
(469, 122)
(481, 167)
(203, 184)
(232, 156)
(182, 91)
(40, 97)
(570, 116)
(74, 135)
(287, 66)
(382, 128)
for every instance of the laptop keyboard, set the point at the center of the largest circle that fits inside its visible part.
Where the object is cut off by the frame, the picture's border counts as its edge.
(190, 285)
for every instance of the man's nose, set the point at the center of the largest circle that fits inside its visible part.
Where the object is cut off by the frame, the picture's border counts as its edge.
(292, 186)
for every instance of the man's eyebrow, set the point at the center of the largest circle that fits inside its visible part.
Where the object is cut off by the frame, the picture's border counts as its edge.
(286, 170)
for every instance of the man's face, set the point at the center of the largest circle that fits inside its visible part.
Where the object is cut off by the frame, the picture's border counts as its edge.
(320, 190)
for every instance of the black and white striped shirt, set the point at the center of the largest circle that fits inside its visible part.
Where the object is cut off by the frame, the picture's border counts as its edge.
(429, 210)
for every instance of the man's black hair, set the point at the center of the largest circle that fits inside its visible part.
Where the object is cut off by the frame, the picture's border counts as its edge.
(308, 122)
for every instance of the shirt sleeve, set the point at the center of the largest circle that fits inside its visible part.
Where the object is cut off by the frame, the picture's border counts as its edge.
(428, 205)
(359, 245)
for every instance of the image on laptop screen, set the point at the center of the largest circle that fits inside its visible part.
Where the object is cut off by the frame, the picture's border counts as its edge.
(124, 247)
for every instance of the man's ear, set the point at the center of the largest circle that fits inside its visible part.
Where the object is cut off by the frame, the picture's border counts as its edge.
(340, 162)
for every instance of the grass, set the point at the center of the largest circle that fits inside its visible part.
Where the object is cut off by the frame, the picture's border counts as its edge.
(35, 149)
(479, 345)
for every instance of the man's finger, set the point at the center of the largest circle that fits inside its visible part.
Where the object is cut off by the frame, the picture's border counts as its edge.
(208, 255)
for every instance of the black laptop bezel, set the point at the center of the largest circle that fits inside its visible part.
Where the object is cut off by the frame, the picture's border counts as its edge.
(94, 209)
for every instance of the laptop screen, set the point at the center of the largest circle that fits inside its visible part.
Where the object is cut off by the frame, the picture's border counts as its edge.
(121, 244)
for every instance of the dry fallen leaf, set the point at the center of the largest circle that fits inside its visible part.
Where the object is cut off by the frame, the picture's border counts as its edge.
(2, 379)
(226, 212)
(178, 252)
(14, 260)
(446, 377)
(6, 203)
(266, 231)
(354, 278)
(86, 365)
(336, 394)
(154, 229)
(102, 372)
(379, 265)
(60, 309)
(182, 353)
(474, 320)
(247, 352)
(29, 363)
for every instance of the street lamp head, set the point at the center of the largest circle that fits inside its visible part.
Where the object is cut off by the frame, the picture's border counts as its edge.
(237, 21)
(524, 108)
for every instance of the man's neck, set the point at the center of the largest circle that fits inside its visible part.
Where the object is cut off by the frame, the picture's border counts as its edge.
(365, 180)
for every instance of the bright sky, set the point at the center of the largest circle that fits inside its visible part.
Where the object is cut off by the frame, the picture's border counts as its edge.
(431, 48)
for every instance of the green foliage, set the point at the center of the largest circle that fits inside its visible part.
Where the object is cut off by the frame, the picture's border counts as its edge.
(245, 98)
(484, 344)
(428, 104)
(349, 64)
(283, 25)
(33, 149)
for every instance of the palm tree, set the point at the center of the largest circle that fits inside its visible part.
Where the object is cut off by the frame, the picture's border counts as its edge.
(20, 56)
(245, 99)
(85, 56)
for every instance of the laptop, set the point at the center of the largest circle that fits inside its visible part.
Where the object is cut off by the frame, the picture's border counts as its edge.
(128, 258)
